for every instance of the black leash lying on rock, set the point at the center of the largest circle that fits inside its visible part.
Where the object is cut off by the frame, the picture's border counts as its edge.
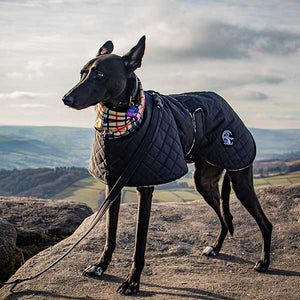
(121, 182)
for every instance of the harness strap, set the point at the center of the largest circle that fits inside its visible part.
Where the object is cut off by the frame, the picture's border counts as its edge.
(193, 109)
(135, 161)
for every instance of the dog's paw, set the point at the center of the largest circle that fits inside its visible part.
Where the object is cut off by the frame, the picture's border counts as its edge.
(261, 266)
(209, 251)
(128, 288)
(93, 271)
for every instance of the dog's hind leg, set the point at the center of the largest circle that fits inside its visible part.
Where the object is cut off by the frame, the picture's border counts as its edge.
(242, 182)
(206, 178)
(112, 216)
(132, 283)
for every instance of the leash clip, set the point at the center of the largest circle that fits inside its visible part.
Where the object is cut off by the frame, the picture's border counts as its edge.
(157, 100)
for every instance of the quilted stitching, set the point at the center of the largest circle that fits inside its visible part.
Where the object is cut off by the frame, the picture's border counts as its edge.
(164, 161)
(219, 116)
(165, 158)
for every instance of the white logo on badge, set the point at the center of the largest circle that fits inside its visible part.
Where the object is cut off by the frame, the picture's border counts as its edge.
(227, 137)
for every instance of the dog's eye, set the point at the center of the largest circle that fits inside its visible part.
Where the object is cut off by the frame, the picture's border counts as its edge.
(99, 74)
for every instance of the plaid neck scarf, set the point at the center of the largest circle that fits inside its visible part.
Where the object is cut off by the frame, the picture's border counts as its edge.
(114, 124)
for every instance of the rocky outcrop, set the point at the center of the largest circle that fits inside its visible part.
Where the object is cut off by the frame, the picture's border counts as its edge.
(174, 268)
(29, 225)
(8, 239)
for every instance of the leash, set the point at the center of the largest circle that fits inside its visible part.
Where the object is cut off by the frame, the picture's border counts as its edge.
(137, 157)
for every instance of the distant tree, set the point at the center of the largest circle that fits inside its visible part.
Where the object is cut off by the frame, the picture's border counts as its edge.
(261, 172)
(293, 168)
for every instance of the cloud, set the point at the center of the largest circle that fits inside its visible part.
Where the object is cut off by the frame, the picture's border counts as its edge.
(36, 67)
(16, 95)
(246, 79)
(246, 51)
(277, 117)
(234, 79)
(249, 95)
(29, 105)
(257, 96)
(14, 75)
(32, 70)
(221, 41)
(28, 3)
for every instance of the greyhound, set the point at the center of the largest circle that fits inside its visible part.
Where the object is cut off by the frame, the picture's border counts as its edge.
(107, 78)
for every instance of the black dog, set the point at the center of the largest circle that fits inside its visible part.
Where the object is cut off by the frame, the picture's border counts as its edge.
(109, 79)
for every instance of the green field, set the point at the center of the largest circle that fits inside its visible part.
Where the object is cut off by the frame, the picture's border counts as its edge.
(86, 190)
(293, 177)
(90, 191)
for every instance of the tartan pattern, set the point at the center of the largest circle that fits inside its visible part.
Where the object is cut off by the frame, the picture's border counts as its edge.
(114, 124)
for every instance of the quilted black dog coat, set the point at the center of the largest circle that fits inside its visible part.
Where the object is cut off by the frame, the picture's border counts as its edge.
(192, 124)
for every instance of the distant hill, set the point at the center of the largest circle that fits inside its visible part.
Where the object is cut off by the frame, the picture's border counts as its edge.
(40, 183)
(275, 143)
(33, 146)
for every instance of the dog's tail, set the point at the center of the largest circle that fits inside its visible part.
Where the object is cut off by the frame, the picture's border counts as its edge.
(225, 195)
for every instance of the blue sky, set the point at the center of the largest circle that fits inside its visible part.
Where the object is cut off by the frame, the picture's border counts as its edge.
(247, 51)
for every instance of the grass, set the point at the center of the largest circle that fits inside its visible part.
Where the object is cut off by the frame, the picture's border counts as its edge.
(293, 177)
(89, 190)
(172, 195)
(86, 190)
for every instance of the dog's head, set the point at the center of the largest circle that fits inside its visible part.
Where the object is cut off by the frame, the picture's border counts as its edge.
(107, 78)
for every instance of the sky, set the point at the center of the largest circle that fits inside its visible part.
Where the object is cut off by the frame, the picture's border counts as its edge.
(246, 51)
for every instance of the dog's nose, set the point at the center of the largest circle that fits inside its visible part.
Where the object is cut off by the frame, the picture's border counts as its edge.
(68, 100)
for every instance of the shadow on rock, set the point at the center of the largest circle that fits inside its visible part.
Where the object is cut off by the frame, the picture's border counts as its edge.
(188, 293)
(283, 272)
(45, 295)
(232, 258)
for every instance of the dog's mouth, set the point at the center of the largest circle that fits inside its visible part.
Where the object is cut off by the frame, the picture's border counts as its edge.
(70, 102)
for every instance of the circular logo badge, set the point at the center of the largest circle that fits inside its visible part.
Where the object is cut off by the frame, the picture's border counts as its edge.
(227, 137)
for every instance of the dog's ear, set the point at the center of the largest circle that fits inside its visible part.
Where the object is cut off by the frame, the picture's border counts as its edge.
(107, 48)
(133, 59)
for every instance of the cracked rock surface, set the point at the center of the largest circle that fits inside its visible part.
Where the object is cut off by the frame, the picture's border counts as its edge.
(29, 225)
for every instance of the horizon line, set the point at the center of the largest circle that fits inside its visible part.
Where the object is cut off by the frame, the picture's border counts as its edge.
(82, 127)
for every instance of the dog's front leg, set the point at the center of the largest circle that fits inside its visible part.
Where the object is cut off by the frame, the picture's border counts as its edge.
(112, 216)
(132, 283)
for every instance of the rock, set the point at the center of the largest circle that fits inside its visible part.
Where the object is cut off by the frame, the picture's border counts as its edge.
(33, 225)
(35, 218)
(175, 268)
(8, 238)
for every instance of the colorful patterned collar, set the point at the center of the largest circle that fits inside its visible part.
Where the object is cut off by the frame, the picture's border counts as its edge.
(114, 124)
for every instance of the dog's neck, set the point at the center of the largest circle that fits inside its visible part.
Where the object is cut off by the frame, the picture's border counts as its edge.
(134, 91)
(128, 98)
(116, 123)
